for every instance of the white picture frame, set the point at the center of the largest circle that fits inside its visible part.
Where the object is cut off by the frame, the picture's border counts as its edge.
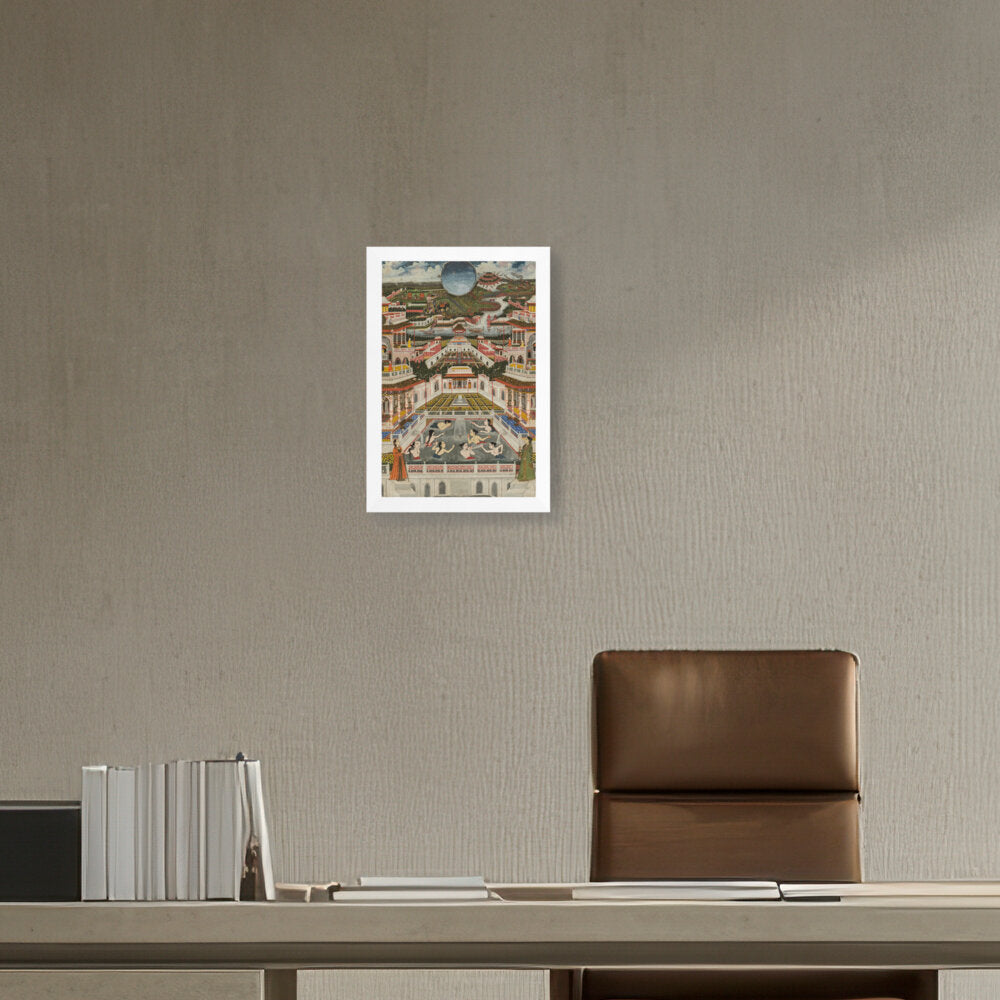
(486, 344)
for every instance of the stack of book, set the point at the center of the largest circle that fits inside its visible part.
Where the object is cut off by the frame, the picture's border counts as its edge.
(188, 829)
(884, 893)
(707, 889)
(395, 889)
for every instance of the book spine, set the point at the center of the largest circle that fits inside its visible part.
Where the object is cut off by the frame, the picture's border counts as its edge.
(156, 887)
(259, 827)
(141, 830)
(170, 833)
(121, 833)
(223, 860)
(237, 843)
(182, 828)
(94, 833)
(244, 836)
(202, 890)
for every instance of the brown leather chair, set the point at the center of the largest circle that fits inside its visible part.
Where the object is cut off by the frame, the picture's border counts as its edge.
(728, 765)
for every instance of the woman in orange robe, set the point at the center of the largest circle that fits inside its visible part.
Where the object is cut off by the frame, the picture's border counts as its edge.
(398, 471)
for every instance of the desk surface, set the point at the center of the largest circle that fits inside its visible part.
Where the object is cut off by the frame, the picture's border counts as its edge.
(502, 934)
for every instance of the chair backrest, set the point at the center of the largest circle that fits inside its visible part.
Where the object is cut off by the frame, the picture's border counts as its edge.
(725, 765)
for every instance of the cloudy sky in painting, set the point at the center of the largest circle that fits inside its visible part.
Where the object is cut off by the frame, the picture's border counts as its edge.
(412, 270)
(430, 270)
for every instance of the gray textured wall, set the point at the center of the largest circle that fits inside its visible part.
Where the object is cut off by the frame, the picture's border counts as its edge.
(775, 232)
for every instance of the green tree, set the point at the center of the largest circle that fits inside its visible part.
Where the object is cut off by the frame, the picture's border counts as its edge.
(526, 463)
(420, 369)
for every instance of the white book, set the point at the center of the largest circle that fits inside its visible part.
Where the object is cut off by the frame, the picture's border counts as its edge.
(156, 830)
(178, 848)
(243, 818)
(258, 826)
(707, 889)
(196, 872)
(365, 894)
(121, 833)
(224, 812)
(816, 891)
(141, 830)
(94, 833)
(170, 835)
(420, 882)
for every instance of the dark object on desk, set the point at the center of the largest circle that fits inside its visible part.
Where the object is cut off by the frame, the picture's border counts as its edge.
(737, 765)
(39, 852)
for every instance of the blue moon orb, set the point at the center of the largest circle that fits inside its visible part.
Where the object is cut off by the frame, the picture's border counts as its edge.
(458, 277)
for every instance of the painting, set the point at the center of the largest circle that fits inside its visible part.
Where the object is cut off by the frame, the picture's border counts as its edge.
(458, 379)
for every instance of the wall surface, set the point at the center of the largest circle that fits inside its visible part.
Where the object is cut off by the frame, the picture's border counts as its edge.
(776, 312)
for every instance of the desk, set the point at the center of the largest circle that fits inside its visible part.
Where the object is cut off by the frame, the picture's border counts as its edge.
(894, 933)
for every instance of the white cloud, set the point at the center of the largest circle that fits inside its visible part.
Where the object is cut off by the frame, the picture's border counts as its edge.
(507, 268)
(412, 270)
(430, 270)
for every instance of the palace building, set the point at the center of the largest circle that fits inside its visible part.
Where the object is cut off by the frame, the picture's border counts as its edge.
(458, 427)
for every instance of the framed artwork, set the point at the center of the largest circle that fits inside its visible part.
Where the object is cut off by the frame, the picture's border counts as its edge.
(458, 379)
